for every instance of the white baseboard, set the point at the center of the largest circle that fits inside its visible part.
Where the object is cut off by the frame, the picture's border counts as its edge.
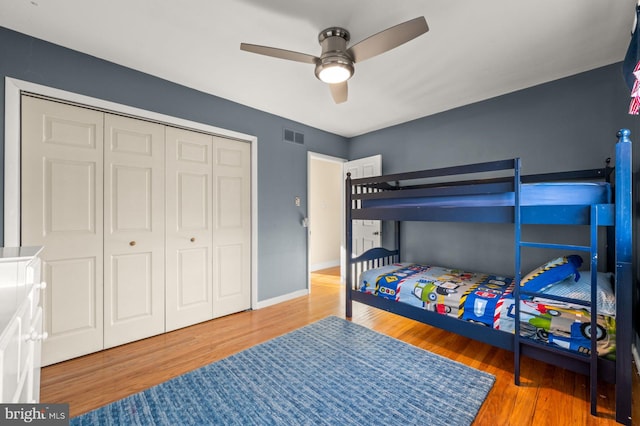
(283, 298)
(324, 265)
(636, 357)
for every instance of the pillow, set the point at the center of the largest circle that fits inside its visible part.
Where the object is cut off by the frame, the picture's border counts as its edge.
(581, 290)
(552, 272)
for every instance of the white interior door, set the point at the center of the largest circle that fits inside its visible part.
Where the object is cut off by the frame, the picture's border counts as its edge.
(189, 236)
(366, 233)
(231, 226)
(134, 229)
(62, 210)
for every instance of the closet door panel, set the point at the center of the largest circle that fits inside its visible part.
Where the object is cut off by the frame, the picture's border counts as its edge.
(134, 231)
(62, 210)
(78, 276)
(189, 228)
(232, 226)
(229, 260)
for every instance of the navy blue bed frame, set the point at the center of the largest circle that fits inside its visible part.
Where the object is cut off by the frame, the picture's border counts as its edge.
(615, 217)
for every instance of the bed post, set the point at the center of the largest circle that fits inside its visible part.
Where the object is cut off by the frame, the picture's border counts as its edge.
(611, 234)
(517, 233)
(348, 274)
(398, 241)
(397, 236)
(624, 276)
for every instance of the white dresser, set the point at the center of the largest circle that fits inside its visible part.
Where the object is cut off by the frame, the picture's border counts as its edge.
(21, 332)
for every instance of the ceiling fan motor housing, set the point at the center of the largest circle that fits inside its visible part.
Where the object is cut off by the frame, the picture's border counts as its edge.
(334, 50)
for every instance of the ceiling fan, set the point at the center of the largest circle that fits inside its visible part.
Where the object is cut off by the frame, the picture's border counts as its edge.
(335, 65)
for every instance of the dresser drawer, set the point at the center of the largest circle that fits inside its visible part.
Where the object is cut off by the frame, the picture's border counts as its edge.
(30, 371)
(13, 356)
(9, 361)
(20, 324)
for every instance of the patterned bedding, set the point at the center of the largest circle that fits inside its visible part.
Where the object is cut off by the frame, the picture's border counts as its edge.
(487, 300)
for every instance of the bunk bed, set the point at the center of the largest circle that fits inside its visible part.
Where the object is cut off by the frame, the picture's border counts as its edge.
(497, 192)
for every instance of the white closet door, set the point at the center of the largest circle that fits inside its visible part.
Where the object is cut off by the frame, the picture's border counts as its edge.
(189, 236)
(134, 229)
(62, 210)
(232, 226)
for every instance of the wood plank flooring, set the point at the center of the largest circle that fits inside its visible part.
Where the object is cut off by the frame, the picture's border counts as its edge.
(547, 395)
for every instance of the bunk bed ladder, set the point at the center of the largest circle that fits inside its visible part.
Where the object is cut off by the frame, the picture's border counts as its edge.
(519, 294)
(624, 280)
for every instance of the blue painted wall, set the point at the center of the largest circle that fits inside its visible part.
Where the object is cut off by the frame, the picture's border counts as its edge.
(568, 123)
(282, 166)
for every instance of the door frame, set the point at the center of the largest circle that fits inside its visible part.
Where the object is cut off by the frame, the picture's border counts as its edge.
(12, 214)
(311, 156)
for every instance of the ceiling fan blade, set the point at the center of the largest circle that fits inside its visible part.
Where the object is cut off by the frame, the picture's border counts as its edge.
(339, 92)
(279, 53)
(388, 39)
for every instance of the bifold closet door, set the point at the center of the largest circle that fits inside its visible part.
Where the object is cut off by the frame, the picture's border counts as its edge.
(189, 237)
(134, 230)
(146, 227)
(232, 226)
(62, 210)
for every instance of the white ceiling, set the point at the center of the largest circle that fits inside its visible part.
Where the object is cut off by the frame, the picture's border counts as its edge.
(474, 50)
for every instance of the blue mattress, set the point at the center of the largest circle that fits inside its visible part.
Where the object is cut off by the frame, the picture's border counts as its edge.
(533, 194)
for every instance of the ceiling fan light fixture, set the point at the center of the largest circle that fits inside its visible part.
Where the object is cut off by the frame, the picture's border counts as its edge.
(334, 71)
(334, 74)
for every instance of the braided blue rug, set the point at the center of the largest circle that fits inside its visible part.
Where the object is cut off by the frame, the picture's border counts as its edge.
(331, 372)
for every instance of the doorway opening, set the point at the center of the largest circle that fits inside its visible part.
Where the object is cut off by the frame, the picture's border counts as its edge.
(326, 213)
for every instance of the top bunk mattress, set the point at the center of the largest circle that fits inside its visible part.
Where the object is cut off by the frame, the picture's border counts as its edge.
(532, 194)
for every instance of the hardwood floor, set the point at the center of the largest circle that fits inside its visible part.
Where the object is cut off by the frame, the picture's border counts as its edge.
(547, 395)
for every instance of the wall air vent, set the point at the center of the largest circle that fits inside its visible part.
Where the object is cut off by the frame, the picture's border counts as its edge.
(293, 136)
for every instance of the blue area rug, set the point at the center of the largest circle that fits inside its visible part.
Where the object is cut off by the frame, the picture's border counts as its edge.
(330, 372)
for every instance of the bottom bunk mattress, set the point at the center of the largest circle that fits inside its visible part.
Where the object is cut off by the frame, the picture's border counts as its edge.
(488, 300)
